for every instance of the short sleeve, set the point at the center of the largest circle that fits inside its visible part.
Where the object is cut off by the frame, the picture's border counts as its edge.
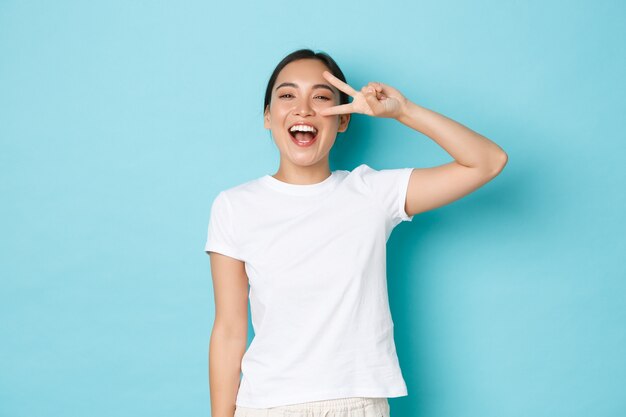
(220, 236)
(389, 187)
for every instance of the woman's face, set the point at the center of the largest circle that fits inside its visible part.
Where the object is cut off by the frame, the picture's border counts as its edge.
(299, 93)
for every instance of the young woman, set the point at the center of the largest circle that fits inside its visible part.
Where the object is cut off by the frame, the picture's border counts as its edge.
(306, 246)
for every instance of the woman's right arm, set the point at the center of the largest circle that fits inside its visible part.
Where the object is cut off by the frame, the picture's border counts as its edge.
(230, 332)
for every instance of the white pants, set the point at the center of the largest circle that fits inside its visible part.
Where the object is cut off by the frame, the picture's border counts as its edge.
(341, 407)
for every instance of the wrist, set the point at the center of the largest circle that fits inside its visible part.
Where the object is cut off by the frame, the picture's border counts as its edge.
(405, 110)
(414, 116)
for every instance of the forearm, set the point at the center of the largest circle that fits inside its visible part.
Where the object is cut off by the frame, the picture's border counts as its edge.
(463, 144)
(225, 353)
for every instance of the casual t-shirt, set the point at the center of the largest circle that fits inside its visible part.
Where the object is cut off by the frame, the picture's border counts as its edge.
(315, 257)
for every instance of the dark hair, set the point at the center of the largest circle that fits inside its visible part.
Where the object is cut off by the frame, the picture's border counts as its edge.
(305, 54)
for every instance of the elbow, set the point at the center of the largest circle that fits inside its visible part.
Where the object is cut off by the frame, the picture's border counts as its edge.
(503, 158)
(231, 330)
(497, 164)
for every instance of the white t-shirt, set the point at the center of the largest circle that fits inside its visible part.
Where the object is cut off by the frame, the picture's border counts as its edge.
(315, 256)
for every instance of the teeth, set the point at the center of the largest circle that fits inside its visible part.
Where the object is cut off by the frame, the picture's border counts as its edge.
(303, 128)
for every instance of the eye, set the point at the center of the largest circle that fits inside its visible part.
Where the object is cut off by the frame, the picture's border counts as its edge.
(285, 95)
(324, 97)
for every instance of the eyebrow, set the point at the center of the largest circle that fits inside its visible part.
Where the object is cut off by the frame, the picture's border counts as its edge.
(326, 86)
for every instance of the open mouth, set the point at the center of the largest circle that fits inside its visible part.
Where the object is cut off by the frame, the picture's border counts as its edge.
(303, 134)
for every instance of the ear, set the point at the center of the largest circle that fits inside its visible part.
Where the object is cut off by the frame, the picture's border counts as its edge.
(266, 118)
(344, 120)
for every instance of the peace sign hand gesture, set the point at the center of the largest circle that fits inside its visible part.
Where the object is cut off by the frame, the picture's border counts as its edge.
(375, 99)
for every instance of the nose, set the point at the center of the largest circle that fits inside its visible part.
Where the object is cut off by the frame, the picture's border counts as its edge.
(303, 108)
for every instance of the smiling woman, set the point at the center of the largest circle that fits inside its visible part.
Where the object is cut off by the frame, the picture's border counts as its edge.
(295, 95)
(306, 247)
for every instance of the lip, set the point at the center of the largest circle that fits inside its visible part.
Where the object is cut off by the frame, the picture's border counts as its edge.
(305, 124)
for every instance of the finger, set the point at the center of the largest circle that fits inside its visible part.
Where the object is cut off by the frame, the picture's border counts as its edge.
(376, 85)
(379, 89)
(372, 100)
(341, 109)
(339, 84)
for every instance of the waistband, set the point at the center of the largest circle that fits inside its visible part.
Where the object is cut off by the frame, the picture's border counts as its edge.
(336, 404)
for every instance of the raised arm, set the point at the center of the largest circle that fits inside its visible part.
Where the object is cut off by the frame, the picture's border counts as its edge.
(230, 332)
(477, 160)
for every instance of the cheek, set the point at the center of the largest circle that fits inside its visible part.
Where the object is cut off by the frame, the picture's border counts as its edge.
(280, 109)
(331, 126)
(276, 116)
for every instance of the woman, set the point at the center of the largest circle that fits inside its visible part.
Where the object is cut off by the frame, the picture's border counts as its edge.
(310, 243)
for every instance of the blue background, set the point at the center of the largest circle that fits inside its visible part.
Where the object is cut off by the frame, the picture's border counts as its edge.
(121, 121)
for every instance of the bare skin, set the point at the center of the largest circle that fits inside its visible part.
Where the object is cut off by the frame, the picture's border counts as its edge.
(230, 332)
(477, 160)
(303, 102)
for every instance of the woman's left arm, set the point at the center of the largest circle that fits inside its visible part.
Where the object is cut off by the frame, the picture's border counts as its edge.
(477, 160)
(467, 147)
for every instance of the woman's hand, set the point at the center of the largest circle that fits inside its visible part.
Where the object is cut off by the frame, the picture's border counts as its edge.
(375, 99)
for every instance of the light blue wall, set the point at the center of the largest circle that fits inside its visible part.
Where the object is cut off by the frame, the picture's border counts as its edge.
(121, 121)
